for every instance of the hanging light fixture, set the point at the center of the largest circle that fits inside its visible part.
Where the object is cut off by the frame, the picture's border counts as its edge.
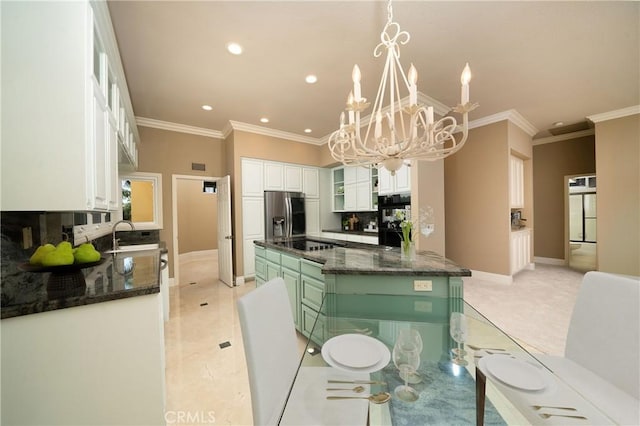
(411, 129)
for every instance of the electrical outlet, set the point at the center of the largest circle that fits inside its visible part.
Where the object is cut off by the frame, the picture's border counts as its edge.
(423, 285)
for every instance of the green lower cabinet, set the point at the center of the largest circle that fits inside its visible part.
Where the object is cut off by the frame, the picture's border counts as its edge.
(292, 282)
(273, 271)
(307, 322)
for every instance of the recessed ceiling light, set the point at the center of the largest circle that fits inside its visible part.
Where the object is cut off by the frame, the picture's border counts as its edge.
(311, 79)
(234, 48)
(207, 107)
(307, 130)
(264, 120)
(558, 123)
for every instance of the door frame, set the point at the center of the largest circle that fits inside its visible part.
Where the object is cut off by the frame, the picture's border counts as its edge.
(174, 217)
(567, 242)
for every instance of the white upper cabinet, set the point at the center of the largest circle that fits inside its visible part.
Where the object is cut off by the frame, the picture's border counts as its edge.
(252, 178)
(273, 176)
(354, 189)
(59, 112)
(310, 182)
(292, 178)
(399, 183)
(516, 182)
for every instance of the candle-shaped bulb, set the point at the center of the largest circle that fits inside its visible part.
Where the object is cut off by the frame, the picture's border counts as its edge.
(356, 83)
(342, 119)
(378, 128)
(466, 75)
(464, 79)
(350, 99)
(350, 107)
(413, 90)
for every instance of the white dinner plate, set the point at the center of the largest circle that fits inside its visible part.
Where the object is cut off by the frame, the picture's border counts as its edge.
(515, 372)
(356, 353)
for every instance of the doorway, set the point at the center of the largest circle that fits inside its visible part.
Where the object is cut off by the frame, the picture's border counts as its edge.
(582, 229)
(201, 228)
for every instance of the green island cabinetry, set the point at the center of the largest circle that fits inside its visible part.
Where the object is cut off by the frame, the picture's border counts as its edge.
(303, 279)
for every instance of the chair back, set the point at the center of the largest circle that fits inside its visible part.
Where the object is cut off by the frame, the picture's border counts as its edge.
(604, 332)
(271, 349)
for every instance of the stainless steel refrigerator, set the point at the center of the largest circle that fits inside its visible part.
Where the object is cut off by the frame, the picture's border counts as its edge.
(284, 214)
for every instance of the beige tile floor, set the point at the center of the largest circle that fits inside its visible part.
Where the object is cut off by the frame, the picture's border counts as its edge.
(209, 384)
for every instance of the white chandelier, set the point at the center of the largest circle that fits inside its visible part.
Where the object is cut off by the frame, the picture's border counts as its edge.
(412, 132)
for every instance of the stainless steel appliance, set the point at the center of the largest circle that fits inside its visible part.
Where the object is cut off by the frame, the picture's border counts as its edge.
(308, 244)
(284, 215)
(391, 210)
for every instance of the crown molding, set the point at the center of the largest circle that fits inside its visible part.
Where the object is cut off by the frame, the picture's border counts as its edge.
(511, 115)
(181, 128)
(565, 137)
(611, 115)
(252, 128)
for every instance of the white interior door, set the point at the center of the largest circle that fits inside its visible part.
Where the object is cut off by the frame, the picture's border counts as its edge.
(225, 238)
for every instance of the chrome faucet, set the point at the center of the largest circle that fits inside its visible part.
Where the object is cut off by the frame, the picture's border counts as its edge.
(113, 232)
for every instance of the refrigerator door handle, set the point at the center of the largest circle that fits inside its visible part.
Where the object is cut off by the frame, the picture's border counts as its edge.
(288, 216)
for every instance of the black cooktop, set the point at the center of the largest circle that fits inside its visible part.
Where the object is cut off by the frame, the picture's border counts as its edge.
(307, 244)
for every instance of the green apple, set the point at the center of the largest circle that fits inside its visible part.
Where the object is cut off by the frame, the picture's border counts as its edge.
(36, 257)
(58, 257)
(86, 253)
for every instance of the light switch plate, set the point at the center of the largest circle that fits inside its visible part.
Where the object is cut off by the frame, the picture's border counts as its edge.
(423, 285)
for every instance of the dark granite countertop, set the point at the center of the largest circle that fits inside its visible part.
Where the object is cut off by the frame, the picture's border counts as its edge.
(25, 293)
(366, 259)
(342, 231)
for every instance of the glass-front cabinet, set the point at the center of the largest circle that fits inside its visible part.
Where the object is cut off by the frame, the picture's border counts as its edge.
(355, 188)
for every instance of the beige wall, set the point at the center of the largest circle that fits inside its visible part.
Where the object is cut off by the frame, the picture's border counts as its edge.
(197, 217)
(618, 188)
(428, 179)
(252, 145)
(477, 201)
(551, 163)
(169, 153)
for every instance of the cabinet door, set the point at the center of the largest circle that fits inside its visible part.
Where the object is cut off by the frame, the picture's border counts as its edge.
(363, 196)
(253, 217)
(115, 190)
(293, 178)
(273, 270)
(98, 184)
(516, 183)
(403, 179)
(312, 209)
(350, 174)
(350, 197)
(273, 176)
(337, 176)
(363, 174)
(252, 178)
(385, 185)
(310, 182)
(292, 282)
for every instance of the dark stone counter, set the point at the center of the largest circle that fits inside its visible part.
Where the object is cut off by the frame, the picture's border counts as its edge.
(25, 293)
(366, 259)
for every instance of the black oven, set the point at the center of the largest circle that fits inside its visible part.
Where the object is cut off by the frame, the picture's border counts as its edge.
(391, 210)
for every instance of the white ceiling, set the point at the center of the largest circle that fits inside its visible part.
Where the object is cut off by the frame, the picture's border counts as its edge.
(550, 61)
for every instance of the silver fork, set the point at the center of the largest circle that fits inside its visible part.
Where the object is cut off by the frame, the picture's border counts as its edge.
(538, 407)
(546, 416)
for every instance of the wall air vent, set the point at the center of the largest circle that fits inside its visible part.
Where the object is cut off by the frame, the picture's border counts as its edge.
(198, 166)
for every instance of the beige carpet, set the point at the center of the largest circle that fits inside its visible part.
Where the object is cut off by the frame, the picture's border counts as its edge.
(535, 309)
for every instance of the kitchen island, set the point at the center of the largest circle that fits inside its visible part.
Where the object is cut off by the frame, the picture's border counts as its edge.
(353, 268)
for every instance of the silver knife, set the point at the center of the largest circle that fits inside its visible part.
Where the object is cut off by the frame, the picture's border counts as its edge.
(359, 382)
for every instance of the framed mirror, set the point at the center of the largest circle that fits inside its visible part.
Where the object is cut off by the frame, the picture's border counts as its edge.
(142, 199)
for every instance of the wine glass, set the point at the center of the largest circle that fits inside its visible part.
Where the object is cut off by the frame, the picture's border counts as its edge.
(459, 332)
(409, 334)
(406, 357)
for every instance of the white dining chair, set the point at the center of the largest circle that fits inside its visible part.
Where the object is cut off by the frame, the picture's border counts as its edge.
(602, 354)
(270, 345)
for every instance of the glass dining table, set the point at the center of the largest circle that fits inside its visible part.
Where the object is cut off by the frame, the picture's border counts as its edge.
(486, 379)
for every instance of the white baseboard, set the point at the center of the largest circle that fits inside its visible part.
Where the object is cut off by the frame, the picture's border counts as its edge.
(172, 282)
(550, 261)
(240, 280)
(194, 256)
(489, 276)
